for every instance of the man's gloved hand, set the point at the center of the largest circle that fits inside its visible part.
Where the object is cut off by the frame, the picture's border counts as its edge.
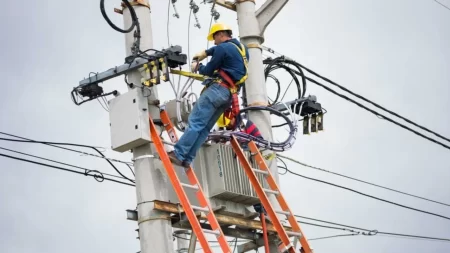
(200, 55)
(194, 67)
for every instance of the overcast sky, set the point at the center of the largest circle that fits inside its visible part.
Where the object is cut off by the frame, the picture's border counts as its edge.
(394, 52)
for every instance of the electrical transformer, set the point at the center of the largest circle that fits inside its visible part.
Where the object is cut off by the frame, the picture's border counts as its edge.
(223, 180)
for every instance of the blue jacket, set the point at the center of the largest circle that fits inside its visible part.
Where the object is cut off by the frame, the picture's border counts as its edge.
(226, 57)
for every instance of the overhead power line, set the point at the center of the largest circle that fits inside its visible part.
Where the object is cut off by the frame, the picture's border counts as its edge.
(361, 181)
(290, 61)
(55, 144)
(333, 236)
(376, 113)
(369, 196)
(99, 176)
(375, 104)
(443, 5)
(370, 232)
(62, 163)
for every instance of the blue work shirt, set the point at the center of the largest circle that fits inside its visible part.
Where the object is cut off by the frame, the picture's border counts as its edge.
(225, 56)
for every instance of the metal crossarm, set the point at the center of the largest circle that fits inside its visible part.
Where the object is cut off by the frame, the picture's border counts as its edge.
(193, 184)
(262, 194)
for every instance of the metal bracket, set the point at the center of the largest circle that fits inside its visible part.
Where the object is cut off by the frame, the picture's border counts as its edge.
(268, 11)
(173, 54)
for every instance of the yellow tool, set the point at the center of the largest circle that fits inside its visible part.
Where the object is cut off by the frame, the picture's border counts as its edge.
(197, 77)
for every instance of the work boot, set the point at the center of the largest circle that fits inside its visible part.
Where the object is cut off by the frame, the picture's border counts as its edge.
(173, 158)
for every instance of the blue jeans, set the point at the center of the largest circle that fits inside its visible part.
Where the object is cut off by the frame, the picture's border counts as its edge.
(207, 110)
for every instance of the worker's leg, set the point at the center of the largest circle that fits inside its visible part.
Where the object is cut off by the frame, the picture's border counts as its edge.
(201, 116)
(204, 134)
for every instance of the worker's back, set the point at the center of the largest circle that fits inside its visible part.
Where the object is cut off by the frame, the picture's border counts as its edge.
(226, 57)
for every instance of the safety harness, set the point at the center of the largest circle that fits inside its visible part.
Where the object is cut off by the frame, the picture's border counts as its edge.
(233, 111)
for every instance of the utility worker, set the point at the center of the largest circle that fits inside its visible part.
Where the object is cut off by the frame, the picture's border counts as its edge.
(228, 71)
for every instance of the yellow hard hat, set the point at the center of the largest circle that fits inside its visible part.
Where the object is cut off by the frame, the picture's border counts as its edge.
(223, 121)
(217, 27)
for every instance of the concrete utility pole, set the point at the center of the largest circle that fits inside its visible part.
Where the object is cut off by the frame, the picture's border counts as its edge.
(182, 240)
(155, 231)
(252, 24)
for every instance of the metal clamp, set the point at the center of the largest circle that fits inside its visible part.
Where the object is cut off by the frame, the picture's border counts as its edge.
(255, 45)
(142, 157)
(150, 218)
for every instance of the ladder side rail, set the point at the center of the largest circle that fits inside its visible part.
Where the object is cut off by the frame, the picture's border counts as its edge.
(283, 204)
(178, 188)
(262, 195)
(193, 180)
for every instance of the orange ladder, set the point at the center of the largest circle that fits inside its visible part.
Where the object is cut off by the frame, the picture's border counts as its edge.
(194, 184)
(262, 194)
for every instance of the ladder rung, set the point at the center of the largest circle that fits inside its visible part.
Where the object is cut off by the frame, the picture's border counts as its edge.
(271, 191)
(283, 212)
(214, 232)
(190, 186)
(265, 172)
(294, 233)
(204, 209)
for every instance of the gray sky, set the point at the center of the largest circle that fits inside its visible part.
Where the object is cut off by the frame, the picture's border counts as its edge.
(393, 52)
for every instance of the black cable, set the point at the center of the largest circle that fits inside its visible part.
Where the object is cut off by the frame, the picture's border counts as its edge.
(105, 16)
(371, 232)
(282, 167)
(54, 144)
(50, 160)
(131, 169)
(370, 196)
(365, 182)
(445, 6)
(378, 114)
(278, 88)
(324, 226)
(373, 103)
(135, 23)
(332, 223)
(280, 62)
(69, 144)
(97, 175)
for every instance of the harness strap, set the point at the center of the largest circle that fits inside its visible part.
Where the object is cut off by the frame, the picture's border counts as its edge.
(242, 52)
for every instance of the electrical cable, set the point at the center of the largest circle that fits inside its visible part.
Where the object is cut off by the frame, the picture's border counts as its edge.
(378, 114)
(369, 196)
(53, 144)
(279, 63)
(275, 146)
(361, 181)
(283, 59)
(135, 23)
(375, 104)
(280, 60)
(99, 176)
(105, 16)
(50, 160)
(371, 232)
(332, 236)
(443, 5)
(282, 167)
